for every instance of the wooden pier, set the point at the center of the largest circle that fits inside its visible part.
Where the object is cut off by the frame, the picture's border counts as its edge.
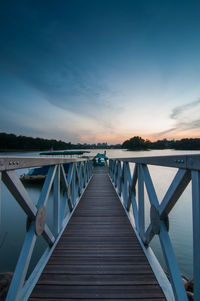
(98, 255)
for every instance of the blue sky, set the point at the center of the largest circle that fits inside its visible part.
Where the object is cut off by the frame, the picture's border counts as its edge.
(100, 71)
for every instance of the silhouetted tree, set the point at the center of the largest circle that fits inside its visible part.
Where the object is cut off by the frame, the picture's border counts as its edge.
(136, 143)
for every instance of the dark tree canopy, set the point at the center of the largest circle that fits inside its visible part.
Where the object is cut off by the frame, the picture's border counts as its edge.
(138, 143)
(11, 142)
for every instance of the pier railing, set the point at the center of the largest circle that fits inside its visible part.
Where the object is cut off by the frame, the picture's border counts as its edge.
(71, 185)
(126, 182)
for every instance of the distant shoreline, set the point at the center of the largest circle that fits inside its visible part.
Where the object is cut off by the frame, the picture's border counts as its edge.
(12, 143)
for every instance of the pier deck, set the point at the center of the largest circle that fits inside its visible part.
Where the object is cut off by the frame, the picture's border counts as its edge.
(98, 255)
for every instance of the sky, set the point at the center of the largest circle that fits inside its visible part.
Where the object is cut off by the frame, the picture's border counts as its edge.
(90, 71)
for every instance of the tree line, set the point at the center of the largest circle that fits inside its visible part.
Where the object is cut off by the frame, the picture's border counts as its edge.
(138, 143)
(12, 142)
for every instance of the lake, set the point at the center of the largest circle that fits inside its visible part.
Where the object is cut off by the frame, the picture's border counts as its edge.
(13, 219)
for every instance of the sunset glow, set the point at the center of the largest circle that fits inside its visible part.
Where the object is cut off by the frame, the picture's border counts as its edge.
(100, 71)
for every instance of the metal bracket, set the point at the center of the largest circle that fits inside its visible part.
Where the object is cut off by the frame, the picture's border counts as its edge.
(40, 220)
(69, 191)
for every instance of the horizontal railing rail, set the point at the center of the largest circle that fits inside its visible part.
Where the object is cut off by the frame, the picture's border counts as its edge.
(12, 163)
(179, 161)
(126, 183)
(72, 186)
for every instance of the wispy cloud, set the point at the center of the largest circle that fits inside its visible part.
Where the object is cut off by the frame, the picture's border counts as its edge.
(184, 108)
(186, 117)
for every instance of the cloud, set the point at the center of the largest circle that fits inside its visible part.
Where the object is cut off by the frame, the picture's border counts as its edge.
(184, 108)
(72, 87)
(186, 118)
(58, 59)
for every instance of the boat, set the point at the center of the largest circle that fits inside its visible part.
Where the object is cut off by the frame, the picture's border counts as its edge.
(100, 160)
(64, 153)
(38, 175)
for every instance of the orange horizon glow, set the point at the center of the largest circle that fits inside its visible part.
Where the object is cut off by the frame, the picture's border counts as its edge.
(113, 139)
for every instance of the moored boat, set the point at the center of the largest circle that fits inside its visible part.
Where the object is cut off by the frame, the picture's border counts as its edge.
(38, 175)
(100, 159)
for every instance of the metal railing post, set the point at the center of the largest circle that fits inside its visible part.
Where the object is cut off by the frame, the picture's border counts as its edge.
(0, 202)
(159, 221)
(56, 206)
(196, 232)
(141, 214)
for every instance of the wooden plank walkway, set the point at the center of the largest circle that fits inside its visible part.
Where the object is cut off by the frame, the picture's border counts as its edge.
(98, 255)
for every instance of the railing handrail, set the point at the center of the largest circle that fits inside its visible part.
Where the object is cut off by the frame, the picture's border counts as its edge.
(12, 163)
(127, 181)
(178, 161)
(72, 185)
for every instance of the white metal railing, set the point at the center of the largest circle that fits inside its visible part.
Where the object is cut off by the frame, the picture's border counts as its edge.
(73, 185)
(125, 183)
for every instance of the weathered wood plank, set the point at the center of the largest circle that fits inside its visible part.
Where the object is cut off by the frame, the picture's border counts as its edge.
(66, 279)
(97, 260)
(85, 299)
(98, 269)
(78, 291)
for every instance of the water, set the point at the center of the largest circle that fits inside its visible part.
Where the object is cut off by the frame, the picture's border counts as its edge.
(13, 219)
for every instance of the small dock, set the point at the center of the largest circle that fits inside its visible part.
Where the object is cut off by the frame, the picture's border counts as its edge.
(98, 256)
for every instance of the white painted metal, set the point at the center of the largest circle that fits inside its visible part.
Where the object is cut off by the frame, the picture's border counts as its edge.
(76, 175)
(56, 202)
(13, 163)
(22, 265)
(73, 187)
(141, 219)
(81, 179)
(47, 186)
(196, 232)
(159, 219)
(172, 266)
(132, 183)
(135, 210)
(31, 282)
(155, 265)
(18, 191)
(0, 202)
(149, 186)
(125, 192)
(119, 179)
(66, 182)
(134, 178)
(48, 236)
(148, 235)
(175, 190)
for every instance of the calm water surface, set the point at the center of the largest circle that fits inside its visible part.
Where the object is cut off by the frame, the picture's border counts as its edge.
(13, 219)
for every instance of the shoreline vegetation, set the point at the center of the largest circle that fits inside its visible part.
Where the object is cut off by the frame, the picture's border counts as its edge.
(13, 143)
(138, 143)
